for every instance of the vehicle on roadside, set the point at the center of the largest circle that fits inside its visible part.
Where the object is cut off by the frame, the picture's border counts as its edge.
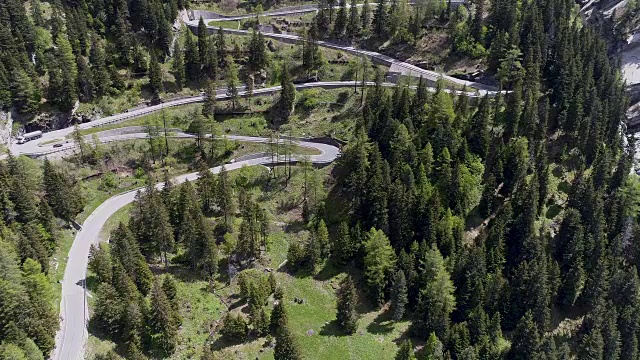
(29, 136)
(57, 145)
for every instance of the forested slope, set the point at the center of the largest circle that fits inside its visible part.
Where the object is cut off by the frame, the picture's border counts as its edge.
(408, 175)
(74, 50)
(34, 204)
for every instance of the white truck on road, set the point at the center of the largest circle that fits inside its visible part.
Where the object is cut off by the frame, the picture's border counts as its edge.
(29, 136)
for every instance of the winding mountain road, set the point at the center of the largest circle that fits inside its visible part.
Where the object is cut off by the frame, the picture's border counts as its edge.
(45, 145)
(396, 65)
(73, 310)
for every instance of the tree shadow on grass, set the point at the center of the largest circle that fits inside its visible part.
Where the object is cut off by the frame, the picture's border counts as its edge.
(329, 271)
(382, 324)
(238, 302)
(103, 335)
(91, 283)
(332, 328)
(294, 226)
(287, 205)
(184, 274)
(222, 342)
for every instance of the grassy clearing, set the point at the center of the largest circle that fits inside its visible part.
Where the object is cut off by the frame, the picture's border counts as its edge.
(95, 194)
(172, 115)
(226, 24)
(313, 322)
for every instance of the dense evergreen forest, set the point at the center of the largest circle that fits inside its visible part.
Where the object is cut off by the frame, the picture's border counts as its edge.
(35, 206)
(73, 50)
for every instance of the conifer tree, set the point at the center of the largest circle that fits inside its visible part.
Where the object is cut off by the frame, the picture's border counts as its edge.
(365, 17)
(380, 21)
(437, 299)
(100, 263)
(221, 47)
(526, 339)
(162, 318)
(41, 318)
(433, 349)
(354, 24)
(155, 76)
(177, 66)
(209, 106)
(191, 58)
(279, 318)
(224, 193)
(478, 21)
(398, 295)
(26, 95)
(379, 259)
(66, 94)
(171, 291)
(287, 95)
(344, 247)
(232, 82)
(340, 25)
(257, 53)
(210, 66)
(202, 41)
(286, 346)
(347, 301)
(405, 351)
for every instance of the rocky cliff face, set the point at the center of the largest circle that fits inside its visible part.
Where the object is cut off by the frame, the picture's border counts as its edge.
(6, 123)
(621, 21)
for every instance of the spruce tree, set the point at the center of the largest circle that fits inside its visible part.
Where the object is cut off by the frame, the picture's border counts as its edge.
(155, 76)
(171, 291)
(287, 95)
(209, 106)
(257, 60)
(42, 322)
(162, 318)
(437, 299)
(232, 82)
(224, 198)
(344, 247)
(347, 316)
(398, 295)
(365, 18)
(405, 351)
(526, 339)
(340, 25)
(354, 24)
(191, 58)
(177, 66)
(286, 346)
(279, 318)
(202, 41)
(221, 47)
(380, 21)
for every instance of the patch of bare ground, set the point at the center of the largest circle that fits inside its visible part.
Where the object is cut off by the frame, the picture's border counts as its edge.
(462, 65)
(430, 49)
